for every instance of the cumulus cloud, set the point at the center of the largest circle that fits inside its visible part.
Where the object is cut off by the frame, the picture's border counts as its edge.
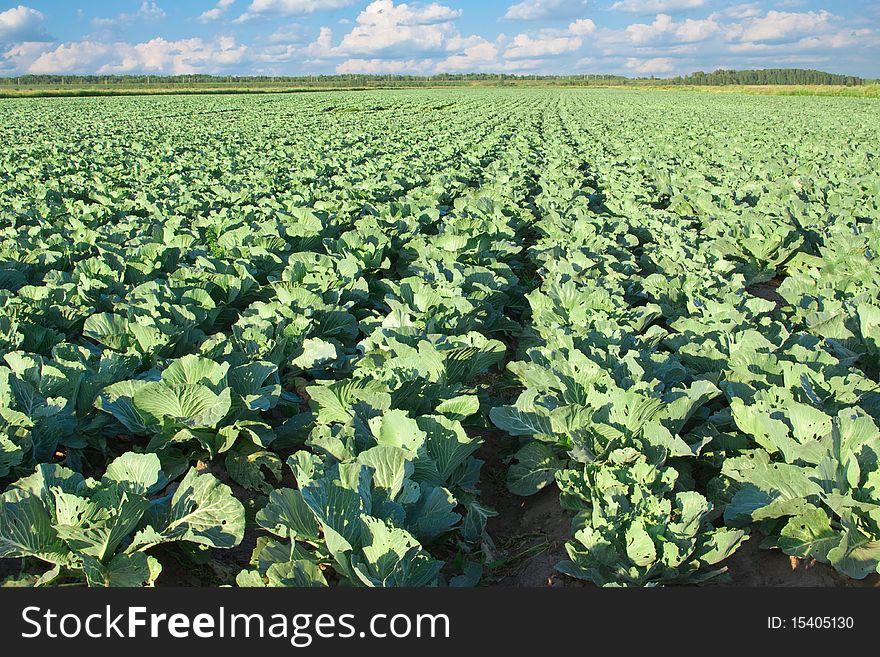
(582, 27)
(665, 28)
(20, 56)
(530, 10)
(217, 12)
(160, 56)
(550, 42)
(780, 25)
(480, 56)
(383, 27)
(524, 46)
(863, 38)
(323, 45)
(21, 24)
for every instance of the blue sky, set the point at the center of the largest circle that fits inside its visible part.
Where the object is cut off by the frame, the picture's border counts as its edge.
(293, 37)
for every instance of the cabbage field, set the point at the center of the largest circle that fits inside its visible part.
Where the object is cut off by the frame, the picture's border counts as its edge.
(332, 339)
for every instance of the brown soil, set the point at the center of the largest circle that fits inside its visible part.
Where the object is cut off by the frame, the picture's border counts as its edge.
(529, 532)
(768, 292)
(752, 566)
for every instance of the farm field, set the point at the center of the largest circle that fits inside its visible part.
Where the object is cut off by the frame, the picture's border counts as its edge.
(440, 337)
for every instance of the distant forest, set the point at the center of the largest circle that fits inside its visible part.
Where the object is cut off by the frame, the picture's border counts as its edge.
(721, 77)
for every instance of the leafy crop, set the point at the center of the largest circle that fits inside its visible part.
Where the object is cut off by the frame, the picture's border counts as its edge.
(230, 317)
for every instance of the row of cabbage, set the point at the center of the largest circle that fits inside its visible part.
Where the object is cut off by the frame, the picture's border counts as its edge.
(338, 312)
(674, 408)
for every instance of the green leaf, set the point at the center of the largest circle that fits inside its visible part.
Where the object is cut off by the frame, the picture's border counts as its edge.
(448, 446)
(520, 423)
(809, 535)
(97, 525)
(202, 510)
(26, 529)
(459, 408)
(393, 557)
(315, 352)
(639, 547)
(339, 510)
(391, 467)
(536, 466)
(11, 455)
(396, 429)
(118, 401)
(140, 474)
(191, 405)
(857, 555)
(195, 370)
(299, 574)
(287, 515)
(124, 570)
(433, 515)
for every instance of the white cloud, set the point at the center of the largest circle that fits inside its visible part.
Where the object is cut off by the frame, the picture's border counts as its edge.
(664, 28)
(20, 24)
(550, 42)
(278, 54)
(217, 12)
(183, 57)
(853, 39)
(524, 46)
(656, 6)
(477, 57)
(530, 10)
(483, 56)
(582, 27)
(861, 38)
(780, 25)
(259, 8)
(385, 27)
(524, 66)
(650, 66)
(645, 33)
(695, 30)
(386, 37)
(70, 58)
(423, 37)
(21, 55)
(323, 45)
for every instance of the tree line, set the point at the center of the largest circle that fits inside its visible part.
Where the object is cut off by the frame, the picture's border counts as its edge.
(720, 77)
(723, 77)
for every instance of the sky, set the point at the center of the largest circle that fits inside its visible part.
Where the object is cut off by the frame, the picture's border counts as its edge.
(299, 37)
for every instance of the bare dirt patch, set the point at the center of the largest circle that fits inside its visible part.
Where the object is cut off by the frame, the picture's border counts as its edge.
(752, 566)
